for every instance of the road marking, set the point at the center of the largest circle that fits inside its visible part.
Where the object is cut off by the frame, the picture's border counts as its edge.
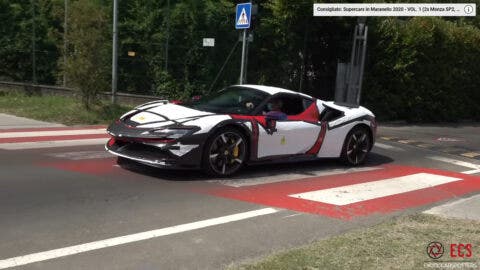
(407, 141)
(472, 171)
(471, 154)
(371, 190)
(52, 133)
(82, 155)
(388, 147)
(293, 215)
(259, 180)
(456, 162)
(425, 145)
(279, 194)
(121, 240)
(48, 144)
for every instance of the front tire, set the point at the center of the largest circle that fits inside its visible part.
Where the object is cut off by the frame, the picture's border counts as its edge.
(225, 152)
(356, 147)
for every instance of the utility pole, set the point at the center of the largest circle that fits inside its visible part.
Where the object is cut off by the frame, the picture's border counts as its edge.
(242, 64)
(245, 68)
(168, 35)
(34, 55)
(65, 44)
(114, 51)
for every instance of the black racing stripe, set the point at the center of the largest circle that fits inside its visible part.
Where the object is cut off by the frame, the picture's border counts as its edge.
(193, 118)
(162, 121)
(146, 110)
(161, 115)
(150, 106)
(360, 118)
(255, 138)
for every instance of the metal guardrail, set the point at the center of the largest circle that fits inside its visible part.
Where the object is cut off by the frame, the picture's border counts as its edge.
(52, 89)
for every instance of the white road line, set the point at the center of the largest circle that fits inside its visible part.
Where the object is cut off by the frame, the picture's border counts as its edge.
(472, 171)
(388, 147)
(242, 182)
(121, 240)
(371, 190)
(52, 133)
(293, 215)
(457, 162)
(48, 144)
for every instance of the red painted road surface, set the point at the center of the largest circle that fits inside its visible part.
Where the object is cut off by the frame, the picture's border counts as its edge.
(277, 194)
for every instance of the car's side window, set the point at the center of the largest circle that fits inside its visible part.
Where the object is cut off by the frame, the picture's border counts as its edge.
(306, 103)
(288, 104)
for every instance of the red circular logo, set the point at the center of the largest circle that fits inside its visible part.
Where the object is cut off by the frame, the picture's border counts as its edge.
(435, 250)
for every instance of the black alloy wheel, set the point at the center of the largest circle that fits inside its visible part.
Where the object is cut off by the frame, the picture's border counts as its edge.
(225, 153)
(356, 147)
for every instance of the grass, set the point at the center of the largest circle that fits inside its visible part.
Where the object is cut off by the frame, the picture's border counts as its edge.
(59, 109)
(400, 243)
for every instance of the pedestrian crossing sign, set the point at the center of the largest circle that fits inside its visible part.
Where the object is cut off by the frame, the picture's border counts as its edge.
(243, 16)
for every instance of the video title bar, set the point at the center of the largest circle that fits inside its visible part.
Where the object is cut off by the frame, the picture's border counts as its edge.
(395, 10)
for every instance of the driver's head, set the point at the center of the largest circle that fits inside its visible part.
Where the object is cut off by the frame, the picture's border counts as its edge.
(276, 104)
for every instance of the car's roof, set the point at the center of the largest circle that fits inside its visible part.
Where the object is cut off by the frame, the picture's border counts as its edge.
(271, 90)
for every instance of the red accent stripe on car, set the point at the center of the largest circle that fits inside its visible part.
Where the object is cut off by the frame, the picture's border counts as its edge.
(318, 143)
(311, 114)
(255, 121)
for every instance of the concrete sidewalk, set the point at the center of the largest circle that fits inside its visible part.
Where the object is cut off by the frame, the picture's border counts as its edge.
(10, 121)
(467, 208)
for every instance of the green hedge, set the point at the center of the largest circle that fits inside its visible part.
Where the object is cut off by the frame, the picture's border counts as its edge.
(423, 69)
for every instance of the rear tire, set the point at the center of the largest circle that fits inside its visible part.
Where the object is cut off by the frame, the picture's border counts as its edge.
(225, 152)
(356, 147)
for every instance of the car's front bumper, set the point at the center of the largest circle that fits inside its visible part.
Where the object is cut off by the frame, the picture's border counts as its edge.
(127, 142)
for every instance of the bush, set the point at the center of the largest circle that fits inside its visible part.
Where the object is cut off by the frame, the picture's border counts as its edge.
(423, 69)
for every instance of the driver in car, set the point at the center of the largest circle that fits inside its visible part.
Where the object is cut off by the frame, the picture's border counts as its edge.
(275, 110)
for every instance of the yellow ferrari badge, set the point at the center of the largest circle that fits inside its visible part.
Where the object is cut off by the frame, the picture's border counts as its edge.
(283, 141)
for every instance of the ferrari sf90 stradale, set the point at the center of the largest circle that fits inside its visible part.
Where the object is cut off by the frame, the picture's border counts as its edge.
(242, 124)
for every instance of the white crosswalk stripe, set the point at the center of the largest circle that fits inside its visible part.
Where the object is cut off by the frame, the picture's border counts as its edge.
(49, 144)
(52, 133)
(371, 190)
(23, 139)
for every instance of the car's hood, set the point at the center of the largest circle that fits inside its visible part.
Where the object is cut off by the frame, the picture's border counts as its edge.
(162, 113)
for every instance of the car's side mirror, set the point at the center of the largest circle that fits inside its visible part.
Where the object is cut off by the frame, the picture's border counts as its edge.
(271, 125)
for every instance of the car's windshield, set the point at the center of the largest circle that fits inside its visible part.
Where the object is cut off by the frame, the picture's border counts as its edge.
(234, 99)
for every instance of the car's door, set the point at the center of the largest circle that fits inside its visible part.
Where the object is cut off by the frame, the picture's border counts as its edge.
(295, 135)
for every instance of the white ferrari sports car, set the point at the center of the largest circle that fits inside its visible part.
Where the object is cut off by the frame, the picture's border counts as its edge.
(242, 124)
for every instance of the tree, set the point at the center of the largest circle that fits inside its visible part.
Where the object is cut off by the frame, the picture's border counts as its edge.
(16, 38)
(88, 62)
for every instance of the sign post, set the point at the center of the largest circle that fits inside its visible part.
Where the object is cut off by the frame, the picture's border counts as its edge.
(242, 21)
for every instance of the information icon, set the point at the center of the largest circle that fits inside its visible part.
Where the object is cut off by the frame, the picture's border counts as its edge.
(468, 9)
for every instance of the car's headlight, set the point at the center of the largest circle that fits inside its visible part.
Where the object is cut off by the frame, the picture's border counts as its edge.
(173, 133)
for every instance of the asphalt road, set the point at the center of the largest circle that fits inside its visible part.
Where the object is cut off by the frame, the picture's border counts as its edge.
(73, 207)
